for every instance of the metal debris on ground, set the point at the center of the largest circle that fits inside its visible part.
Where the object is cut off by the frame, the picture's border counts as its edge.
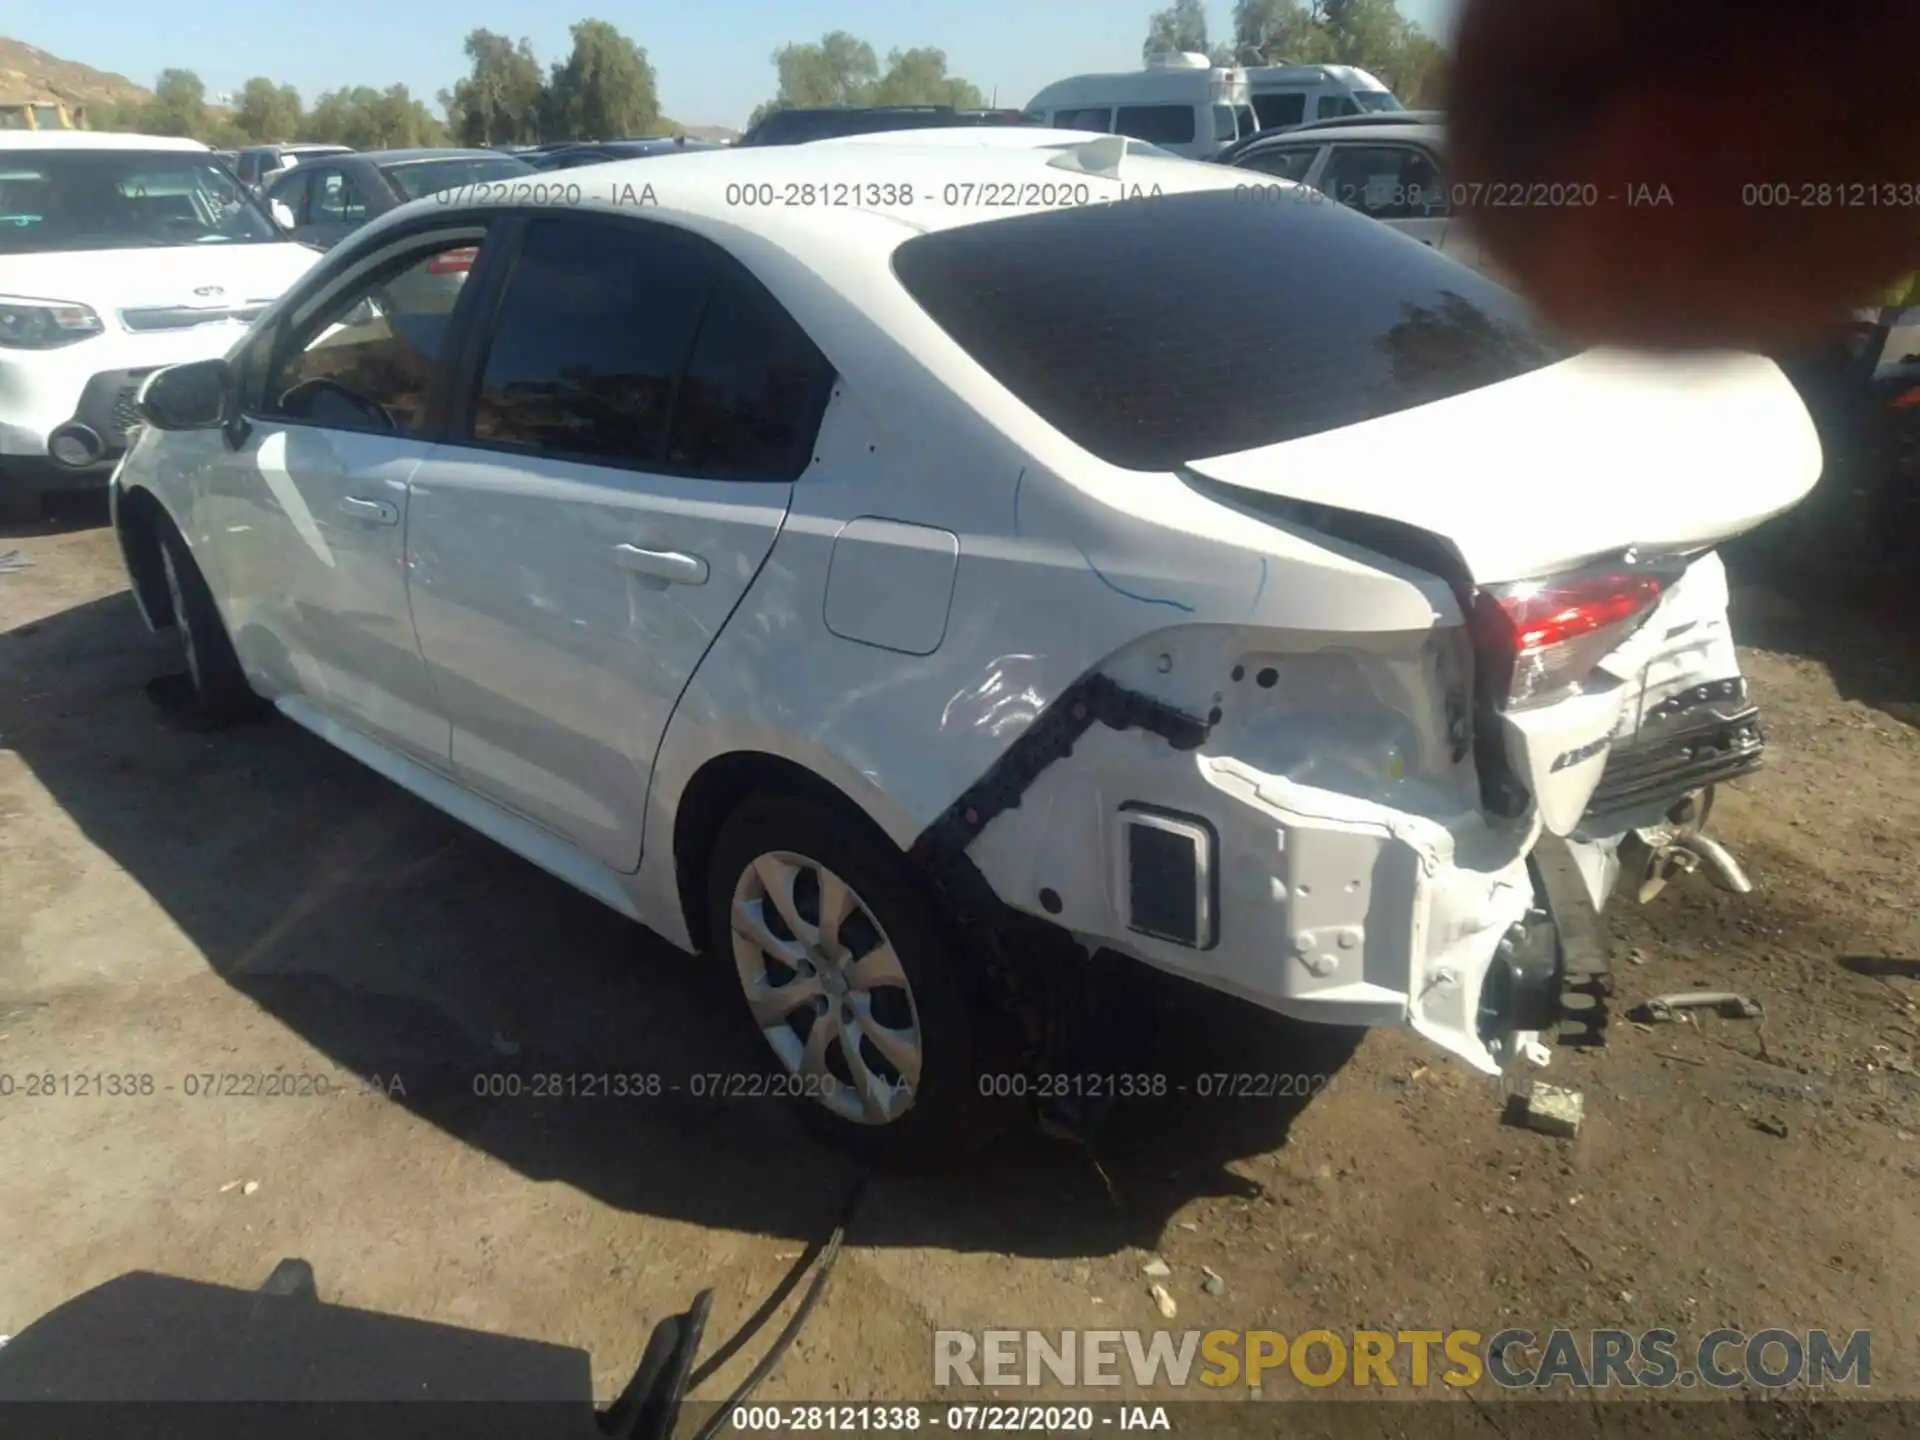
(1164, 1301)
(1721, 1002)
(1554, 1111)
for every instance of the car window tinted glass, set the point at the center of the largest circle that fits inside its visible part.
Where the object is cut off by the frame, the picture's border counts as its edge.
(1245, 121)
(1100, 119)
(367, 361)
(1288, 164)
(1162, 124)
(1280, 109)
(291, 191)
(419, 178)
(1332, 105)
(122, 200)
(593, 330)
(1290, 320)
(751, 399)
(1223, 123)
(1388, 182)
(334, 199)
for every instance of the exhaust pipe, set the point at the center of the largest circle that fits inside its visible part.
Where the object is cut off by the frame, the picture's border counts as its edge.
(76, 446)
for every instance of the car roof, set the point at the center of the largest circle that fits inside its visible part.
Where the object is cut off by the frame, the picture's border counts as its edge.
(402, 157)
(94, 140)
(997, 137)
(1420, 132)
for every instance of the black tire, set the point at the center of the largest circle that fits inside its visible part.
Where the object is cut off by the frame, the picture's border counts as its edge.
(946, 1118)
(219, 693)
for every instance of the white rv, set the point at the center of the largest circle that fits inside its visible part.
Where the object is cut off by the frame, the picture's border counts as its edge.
(1181, 103)
(1299, 94)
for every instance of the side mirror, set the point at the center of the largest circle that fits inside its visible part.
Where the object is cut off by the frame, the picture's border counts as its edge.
(200, 395)
(282, 215)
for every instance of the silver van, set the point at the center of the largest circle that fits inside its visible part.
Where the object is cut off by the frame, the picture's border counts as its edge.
(1182, 103)
(1301, 94)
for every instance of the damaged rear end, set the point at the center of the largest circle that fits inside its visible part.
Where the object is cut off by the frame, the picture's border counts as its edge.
(1324, 799)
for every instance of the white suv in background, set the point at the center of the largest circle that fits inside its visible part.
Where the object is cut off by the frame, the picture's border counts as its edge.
(118, 254)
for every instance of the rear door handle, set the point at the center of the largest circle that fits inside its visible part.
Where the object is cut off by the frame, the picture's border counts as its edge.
(669, 565)
(380, 512)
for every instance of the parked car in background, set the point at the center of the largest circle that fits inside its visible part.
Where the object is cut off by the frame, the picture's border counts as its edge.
(257, 165)
(797, 126)
(118, 254)
(1392, 170)
(1429, 118)
(1180, 102)
(324, 201)
(599, 152)
(1294, 94)
(1330, 670)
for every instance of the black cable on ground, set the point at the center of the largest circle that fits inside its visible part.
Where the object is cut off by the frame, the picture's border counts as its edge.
(722, 1417)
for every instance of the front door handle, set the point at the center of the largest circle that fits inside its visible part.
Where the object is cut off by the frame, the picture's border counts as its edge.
(380, 512)
(669, 565)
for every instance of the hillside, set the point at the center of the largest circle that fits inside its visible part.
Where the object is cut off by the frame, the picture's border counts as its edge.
(28, 74)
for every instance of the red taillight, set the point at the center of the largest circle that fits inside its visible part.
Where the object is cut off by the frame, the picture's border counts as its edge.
(1544, 637)
(1908, 400)
(453, 262)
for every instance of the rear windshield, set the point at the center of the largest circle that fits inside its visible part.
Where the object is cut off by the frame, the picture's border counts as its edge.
(429, 177)
(1151, 351)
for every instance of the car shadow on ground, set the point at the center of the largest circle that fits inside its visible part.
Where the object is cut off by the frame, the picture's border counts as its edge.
(62, 514)
(401, 944)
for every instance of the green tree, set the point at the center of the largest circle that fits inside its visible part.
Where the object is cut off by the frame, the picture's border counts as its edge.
(1278, 32)
(370, 119)
(843, 70)
(268, 113)
(604, 90)
(1181, 26)
(178, 107)
(1372, 34)
(500, 101)
(919, 77)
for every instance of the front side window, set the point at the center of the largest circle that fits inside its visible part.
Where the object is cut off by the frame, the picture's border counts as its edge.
(1224, 124)
(1246, 121)
(291, 192)
(1161, 124)
(1336, 105)
(594, 328)
(1377, 102)
(59, 200)
(366, 362)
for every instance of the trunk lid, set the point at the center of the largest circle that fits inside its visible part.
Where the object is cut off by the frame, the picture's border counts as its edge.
(1604, 452)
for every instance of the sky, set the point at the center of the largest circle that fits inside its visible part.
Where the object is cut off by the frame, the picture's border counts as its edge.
(713, 58)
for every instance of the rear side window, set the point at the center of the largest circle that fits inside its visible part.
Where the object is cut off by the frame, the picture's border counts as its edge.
(1291, 320)
(1162, 124)
(638, 346)
(1279, 109)
(750, 401)
(1388, 182)
(595, 324)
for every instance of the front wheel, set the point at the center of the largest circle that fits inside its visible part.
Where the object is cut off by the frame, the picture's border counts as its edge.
(218, 692)
(848, 975)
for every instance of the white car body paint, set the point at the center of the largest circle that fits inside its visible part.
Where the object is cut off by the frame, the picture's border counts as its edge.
(950, 563)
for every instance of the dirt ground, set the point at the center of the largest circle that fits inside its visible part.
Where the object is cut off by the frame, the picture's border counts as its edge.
(175, 904)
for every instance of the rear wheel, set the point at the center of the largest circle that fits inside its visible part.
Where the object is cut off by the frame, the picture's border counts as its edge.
(849, 977)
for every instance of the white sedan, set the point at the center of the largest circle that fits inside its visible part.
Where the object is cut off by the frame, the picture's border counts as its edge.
(905, 570)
